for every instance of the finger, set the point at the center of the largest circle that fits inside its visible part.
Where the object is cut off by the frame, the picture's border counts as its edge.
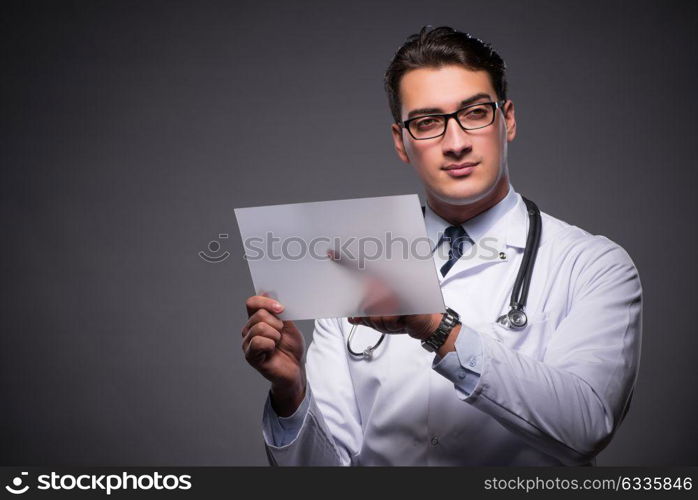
(258, 349)
(370, 322)
(256, 302)
(343, 259)
(359, 320)
(379, 321)
(386, 324)
(394, 324)
(383, 324)
(261, 330)
(262, 316)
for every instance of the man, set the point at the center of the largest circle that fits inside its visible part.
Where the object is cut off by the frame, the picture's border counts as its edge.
(550, 393)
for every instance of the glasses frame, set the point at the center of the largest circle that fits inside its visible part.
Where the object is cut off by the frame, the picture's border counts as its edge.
(447, 116)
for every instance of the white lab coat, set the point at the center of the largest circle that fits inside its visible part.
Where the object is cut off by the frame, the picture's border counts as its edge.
(552, 393)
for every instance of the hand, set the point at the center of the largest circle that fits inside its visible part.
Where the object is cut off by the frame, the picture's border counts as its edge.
(379, 297)
(275, 349)
(418, 326)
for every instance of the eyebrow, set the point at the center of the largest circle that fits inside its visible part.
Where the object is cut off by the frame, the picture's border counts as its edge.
(463, 103)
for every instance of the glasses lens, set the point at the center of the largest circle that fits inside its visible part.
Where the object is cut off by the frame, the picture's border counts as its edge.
(472, 117)
(477, 116)
(427, 127)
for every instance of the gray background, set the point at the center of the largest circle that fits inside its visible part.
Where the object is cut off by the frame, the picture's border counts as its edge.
(131, 130)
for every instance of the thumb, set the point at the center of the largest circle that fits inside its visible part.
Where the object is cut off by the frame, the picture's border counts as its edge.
(291, 328)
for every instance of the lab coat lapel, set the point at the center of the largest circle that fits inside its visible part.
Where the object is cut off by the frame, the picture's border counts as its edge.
(509, 231)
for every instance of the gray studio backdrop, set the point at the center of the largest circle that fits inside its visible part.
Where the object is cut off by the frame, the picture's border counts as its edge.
(131, 130)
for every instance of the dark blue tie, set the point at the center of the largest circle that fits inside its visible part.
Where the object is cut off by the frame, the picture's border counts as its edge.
(456, 236)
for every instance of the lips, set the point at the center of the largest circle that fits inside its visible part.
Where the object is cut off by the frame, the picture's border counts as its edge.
(460, 169)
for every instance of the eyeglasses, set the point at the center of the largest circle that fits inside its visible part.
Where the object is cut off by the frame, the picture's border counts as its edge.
(471, 117)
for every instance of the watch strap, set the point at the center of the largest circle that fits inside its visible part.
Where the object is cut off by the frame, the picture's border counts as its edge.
(449, 320)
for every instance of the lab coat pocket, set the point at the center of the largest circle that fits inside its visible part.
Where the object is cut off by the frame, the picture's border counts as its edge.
(531, 340)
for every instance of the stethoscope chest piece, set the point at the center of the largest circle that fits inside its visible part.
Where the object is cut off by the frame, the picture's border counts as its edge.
(515, 318)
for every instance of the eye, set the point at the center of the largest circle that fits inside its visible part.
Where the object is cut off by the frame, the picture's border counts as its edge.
(477, 112)
(427, 123)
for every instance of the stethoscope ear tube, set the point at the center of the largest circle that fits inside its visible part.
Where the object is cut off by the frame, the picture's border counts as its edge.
(516, 316)
(366, 353)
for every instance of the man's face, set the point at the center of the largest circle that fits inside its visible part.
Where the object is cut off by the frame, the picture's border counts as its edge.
(444, 90)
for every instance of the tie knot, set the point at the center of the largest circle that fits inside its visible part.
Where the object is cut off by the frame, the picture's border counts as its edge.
(457, 236)
(454, 232)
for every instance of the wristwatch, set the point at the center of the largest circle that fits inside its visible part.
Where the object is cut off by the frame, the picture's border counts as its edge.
(448, 322)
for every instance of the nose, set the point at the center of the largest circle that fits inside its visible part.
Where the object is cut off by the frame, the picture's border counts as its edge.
(455, 141)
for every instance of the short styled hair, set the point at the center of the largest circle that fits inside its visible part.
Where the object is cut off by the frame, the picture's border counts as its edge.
(433, 48)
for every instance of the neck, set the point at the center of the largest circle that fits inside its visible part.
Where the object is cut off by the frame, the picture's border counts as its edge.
(458, 214)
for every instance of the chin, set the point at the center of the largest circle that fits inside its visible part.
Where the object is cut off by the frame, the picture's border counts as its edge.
(463, 192)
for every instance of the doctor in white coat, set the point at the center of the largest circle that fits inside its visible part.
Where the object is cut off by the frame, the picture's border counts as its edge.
(551, 393)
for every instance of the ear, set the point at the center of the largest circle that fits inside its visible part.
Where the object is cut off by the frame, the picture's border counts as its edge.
(396, 131)
(510, 120)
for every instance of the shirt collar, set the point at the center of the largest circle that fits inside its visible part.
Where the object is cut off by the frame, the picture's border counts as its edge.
(505, 221)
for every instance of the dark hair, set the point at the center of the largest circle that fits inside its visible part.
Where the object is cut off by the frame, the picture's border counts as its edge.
(438, 47)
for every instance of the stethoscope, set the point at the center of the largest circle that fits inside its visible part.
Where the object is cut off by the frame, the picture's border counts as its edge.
(516, 317)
